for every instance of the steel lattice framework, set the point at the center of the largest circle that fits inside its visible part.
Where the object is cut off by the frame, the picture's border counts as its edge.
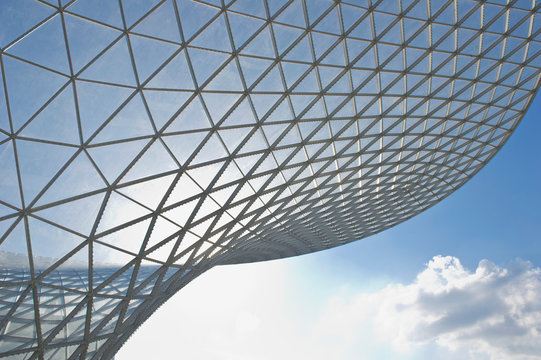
(143, 142)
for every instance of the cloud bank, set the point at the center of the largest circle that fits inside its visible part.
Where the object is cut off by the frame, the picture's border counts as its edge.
(492, 312)
(260, 311)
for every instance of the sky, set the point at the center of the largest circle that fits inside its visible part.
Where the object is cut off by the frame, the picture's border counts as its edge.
(460, 280)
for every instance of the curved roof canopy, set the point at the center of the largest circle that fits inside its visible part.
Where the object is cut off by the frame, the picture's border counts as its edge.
(143, 142)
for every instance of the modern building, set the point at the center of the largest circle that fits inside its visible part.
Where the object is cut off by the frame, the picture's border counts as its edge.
(144, 142)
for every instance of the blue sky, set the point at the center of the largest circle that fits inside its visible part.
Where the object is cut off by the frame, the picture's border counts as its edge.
(279, 308)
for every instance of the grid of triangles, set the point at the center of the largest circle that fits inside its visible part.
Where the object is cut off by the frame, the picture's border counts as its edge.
(146, 141)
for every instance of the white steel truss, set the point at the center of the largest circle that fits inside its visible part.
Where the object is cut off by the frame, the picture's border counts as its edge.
(143, 142)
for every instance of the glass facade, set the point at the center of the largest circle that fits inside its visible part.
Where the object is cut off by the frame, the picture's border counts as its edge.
(144, 142)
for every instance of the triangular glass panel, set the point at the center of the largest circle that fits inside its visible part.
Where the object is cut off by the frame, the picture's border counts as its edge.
(347, 110)
(421, 40)
(9, 185)
(86, 40)
(350, 15)
(193, 117)
(263, 103)
(29, 88)
(13, 248)
(113, 66)
(228, 79)
(276, 5)
(184, 188)
(272, 81)
(285, 36)
(150, 55)
(161, 23)
(50, 241)
(368, 87)
(135, 10)
(79, 177)
(113, 159)
(255, 143)
(316, 8)
(164, 104)
(247, 163)
(293, 72)
(390, 35)
(20, 19)
(149, 192)
(208, 207)
(273, 131)
(242, 115)
(187, 245)
(342, 85)
(109, 99)
(229, 175)
(363, 30)
(323, 43)
(192, 24)
(233, 137)
(44, 46)
(292, 137)
(131, 122)
(308, 84)
(316, 111)
(330, 23)
(250, 7)
(356, 48)
(212, 150)
(205, 175)
(243, 27)
(301, 52)
(4, 118)
(104, 11)
(156, 160)
(327, 74)
(333, 102)
(214, 37)
(57, 122)
(38, 163)
(212, 60)
(113, 282)
(175, 75)
(78, 215)
(120, 210)
(223, 195)
(261, 45)
(102, 307)
(301, 102)
(307, 127)
(336, 57)
(218, 104)
(382, 22)
(181, 214)
(281, 113)
(162, 230)
(338, 125)
(322, 134)
(183, 145)
(292, 14)
(253, 68)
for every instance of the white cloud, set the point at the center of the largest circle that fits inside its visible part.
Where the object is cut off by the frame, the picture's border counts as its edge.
(493, 312)
(267, 311)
